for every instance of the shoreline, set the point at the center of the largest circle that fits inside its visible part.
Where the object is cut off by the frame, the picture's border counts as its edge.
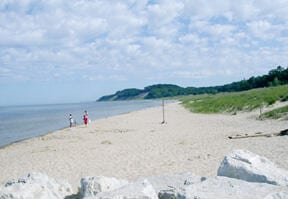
(136, 144)
(63, 126)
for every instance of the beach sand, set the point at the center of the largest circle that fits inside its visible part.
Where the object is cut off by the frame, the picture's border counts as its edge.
(136, 145)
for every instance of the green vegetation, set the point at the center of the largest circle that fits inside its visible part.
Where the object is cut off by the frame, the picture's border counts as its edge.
(122, 95)
(245, 95)
(276, 113)
(149, 92)
(275, 77)
(237, 101)
(163, 90)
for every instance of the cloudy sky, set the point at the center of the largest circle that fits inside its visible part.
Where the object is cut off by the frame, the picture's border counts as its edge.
(78, 50)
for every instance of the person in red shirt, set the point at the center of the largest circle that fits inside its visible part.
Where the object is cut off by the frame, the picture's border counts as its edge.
(85, 119)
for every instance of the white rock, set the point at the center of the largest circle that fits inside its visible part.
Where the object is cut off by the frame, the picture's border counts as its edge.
(230, 188)
(279, 195)
(35, 185)
(173, 181)
(90, 186)
(138, 190)
(242, 164)
(172, 185)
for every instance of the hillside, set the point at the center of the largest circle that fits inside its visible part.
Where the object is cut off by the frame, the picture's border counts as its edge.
(240, 101)
(275, 77)
(149, 92)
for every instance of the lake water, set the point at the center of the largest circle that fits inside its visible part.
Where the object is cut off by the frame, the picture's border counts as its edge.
(22, 122)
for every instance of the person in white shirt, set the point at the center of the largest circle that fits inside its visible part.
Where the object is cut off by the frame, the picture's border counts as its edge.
(71, 120)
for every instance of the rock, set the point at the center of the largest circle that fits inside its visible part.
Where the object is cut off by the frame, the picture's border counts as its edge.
(166, 186)
(169, 194)
(241, 174)
(279, 195)
(172, 185)
(138, 190)
(230, 188)
(175, 181)
(35, 185)
(90, 186)
(241, 164)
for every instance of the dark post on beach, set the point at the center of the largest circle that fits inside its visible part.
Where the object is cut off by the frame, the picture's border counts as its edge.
(163, 110)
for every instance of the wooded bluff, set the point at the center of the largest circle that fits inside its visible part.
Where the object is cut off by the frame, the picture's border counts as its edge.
(275, 77)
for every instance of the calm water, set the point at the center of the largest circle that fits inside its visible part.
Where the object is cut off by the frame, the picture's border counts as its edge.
(22, 122)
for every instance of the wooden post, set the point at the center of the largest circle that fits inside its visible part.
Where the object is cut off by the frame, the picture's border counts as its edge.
(163, 110)
(261, 109)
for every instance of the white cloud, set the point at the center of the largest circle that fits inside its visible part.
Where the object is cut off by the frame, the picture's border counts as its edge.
(97, 39)
(260, 29)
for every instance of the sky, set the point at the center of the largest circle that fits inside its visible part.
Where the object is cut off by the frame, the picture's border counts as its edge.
(57, 51)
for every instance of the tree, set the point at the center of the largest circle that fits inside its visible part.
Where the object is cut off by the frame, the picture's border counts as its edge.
(276, 82)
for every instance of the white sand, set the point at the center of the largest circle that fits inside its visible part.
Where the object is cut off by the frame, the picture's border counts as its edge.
(137, 144)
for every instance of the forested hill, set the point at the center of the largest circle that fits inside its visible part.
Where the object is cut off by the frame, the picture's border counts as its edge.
(275, 77)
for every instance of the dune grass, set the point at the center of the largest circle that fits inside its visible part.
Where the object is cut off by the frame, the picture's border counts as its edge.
(277, 113)
(238, 101)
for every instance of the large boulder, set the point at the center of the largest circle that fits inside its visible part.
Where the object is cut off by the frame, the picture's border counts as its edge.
(35, 185)
(168, 186)
(92, 185)
(229, 188)
(141, 189)
(278, 195)
(242, 164)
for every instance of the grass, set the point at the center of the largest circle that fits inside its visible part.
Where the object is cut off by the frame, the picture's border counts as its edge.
(233, 102)
(276, 113)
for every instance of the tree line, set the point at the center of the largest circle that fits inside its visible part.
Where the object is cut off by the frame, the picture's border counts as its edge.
(275, 77)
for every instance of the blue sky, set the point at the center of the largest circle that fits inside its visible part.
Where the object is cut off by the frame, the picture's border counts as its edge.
(54, 51)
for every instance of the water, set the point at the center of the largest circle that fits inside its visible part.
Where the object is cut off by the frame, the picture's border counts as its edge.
(22, 122)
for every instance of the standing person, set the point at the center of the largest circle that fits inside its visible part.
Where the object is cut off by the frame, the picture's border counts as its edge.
(71, 120)
(85, 119)
(86, 114)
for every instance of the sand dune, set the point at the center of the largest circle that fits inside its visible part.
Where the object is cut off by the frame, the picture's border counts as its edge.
(136, 144)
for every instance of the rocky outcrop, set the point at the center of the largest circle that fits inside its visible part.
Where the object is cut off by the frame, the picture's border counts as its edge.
(241, 164)
(162, 186)
(35, 185)
(185, 186)
(241, 174)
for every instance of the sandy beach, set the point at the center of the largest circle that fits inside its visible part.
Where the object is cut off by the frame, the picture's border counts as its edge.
(136, 145)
